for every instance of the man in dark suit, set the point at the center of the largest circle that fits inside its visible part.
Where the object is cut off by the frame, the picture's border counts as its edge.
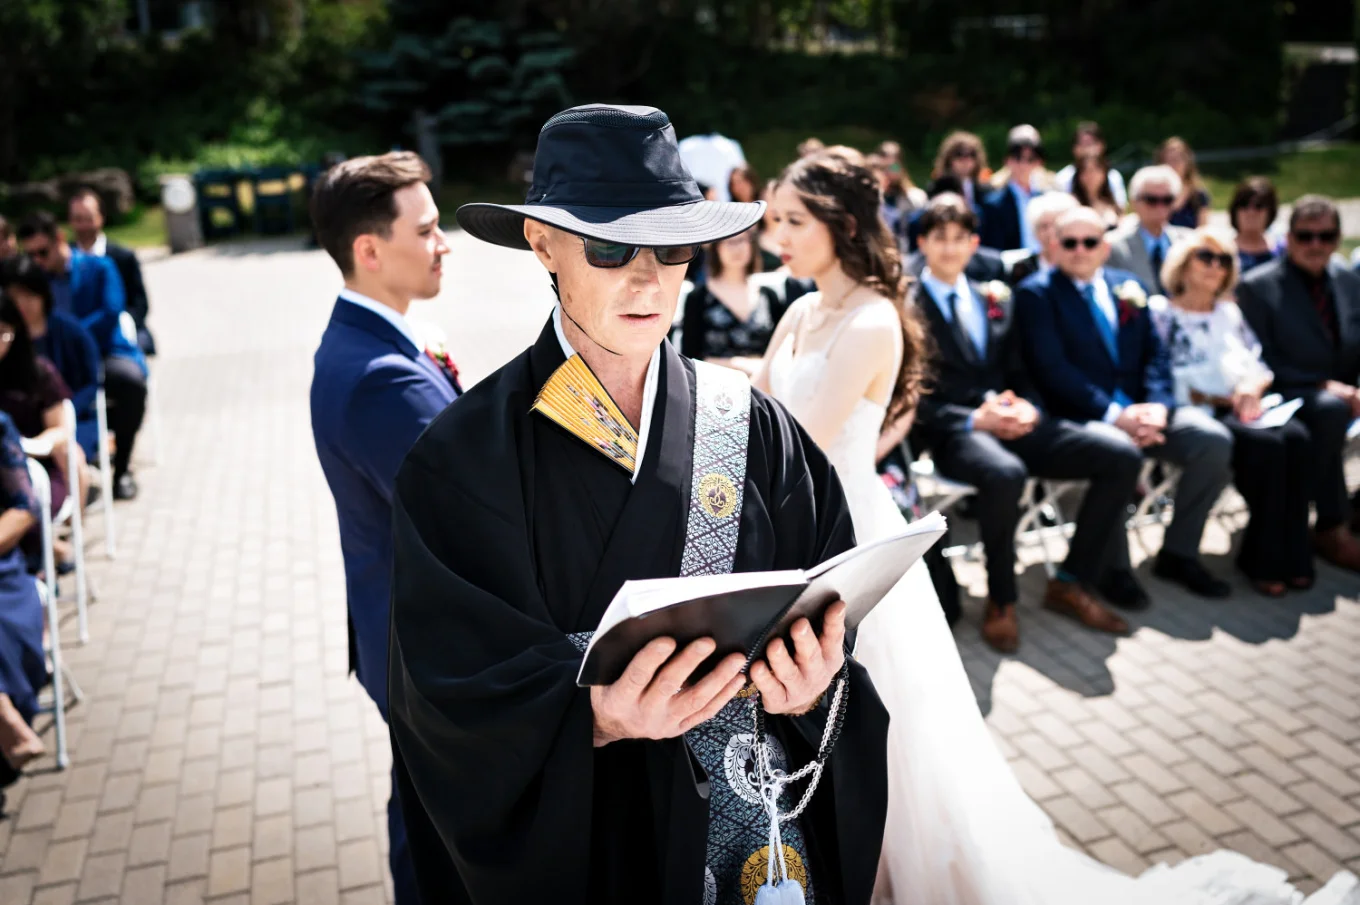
(87, 223)
(982, 424)
(1004, 224)
(1096, 358)
(374, 390)
(1305, 309)
(89, 289)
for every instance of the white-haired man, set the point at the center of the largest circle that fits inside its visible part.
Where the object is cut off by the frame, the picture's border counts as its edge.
(1043, 213)
(1141, 247)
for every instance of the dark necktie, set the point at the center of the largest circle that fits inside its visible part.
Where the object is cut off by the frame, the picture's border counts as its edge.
(1322, 301)
(965, 341)
(1156, 257)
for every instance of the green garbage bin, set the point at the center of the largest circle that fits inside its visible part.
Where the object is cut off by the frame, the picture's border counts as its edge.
(219, 202)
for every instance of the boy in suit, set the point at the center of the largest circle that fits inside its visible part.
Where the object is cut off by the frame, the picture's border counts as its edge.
(1093, 351)
(983, 425)
(374, 390)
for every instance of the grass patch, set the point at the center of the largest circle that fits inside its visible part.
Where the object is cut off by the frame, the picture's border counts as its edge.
(144, 228)
(1333, 171)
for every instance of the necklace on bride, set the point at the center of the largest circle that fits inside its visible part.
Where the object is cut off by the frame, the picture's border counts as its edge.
(828, 309)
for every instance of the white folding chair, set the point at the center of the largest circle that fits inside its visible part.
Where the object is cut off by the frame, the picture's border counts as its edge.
(69, 514)
(128, 327)
(105, 472)
(47, 590)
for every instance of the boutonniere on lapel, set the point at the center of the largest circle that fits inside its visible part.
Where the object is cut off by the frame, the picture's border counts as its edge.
(1132, 299)
(995, 294)
(441, 357)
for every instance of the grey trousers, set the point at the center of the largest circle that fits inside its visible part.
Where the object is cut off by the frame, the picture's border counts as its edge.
(1201, 447)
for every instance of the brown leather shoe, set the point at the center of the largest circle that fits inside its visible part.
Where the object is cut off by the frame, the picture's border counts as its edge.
(1338, 547)
(1070, 599)
(1001, 628)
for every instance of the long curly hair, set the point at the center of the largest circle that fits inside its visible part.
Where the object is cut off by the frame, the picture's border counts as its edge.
(842, 192)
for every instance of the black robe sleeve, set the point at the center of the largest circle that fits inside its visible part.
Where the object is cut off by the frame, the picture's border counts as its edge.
(493, 738)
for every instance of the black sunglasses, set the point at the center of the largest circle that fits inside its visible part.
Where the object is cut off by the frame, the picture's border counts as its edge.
(1309, 236)
(613, 254)
(963, 153)
(40, 254)
(1089, 243)
(1209, 256)
(1158, 200)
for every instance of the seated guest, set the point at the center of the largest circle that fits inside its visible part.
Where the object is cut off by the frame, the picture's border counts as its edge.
(1004, 225)
(1096, 358)
(1192, 202)
(901, 196)
(1141, 246)
(60, 339)
(962, 156)
(23, 664)
(9, 245)
(1088, 140)
(982, 425)
(32, 393)
(729, 318)
(90, 289)
(1216, 365)
(1091, 188)
(1305, 309)
(1043, 213)
(1253, 209)
(87, 223)
(984, 266)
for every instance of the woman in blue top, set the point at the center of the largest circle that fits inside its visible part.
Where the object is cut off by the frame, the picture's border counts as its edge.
(1252, 211)
(23, 668)
(61, 339)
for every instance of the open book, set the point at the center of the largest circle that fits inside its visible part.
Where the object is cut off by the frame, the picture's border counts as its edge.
(743, 611)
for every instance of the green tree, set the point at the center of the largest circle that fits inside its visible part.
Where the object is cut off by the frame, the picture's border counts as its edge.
(36, 35)
(486, 81)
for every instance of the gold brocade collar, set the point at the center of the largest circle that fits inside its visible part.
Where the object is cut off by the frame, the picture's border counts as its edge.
(574, 398)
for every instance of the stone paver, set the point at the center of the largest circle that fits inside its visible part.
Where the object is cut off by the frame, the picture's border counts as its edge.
(222, 755)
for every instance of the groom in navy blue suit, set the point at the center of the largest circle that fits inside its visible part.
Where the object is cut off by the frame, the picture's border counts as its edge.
(1096, 358)
(374, 390)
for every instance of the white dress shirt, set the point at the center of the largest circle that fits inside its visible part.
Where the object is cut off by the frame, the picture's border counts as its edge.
(100, 248)
(388, 314)
(970, 313)
(648, 389)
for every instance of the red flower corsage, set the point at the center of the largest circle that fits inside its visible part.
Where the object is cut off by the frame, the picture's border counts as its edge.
(994, 294)
(1132, 299)
(441, 357)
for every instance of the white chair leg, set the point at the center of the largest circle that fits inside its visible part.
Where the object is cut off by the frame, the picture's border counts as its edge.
(78, 529)
(105, 475)
(47, 590)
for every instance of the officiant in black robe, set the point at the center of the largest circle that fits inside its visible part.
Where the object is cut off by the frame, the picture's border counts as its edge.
(512, 533)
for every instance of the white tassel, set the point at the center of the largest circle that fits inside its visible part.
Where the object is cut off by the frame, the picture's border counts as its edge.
(791, 893)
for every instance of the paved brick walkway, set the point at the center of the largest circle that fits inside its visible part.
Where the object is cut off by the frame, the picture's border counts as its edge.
(222, 755)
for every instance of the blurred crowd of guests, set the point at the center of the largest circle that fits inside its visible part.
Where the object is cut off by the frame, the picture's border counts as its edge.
(1082, 325)
(73, 311)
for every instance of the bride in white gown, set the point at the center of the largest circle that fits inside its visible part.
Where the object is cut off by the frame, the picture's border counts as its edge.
(960, 829)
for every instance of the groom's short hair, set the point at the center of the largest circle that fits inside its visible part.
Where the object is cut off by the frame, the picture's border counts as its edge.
(355, 198)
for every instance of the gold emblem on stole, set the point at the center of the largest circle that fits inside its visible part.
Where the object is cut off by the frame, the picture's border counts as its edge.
(574, 398)
(717, 494)
(754, 871)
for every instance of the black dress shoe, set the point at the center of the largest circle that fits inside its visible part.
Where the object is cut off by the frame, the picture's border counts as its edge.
(124, 488)
(1120, 588)
(1190, 574)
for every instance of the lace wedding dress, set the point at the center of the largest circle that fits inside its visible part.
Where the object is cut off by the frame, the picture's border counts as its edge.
(960, 829)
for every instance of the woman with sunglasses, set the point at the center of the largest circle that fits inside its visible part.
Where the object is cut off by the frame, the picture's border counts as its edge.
(1216, 365)
(963, 157)
(1253, 209)
(728, 318)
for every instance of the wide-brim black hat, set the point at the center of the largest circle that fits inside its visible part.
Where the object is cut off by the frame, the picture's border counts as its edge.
(613, 173)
